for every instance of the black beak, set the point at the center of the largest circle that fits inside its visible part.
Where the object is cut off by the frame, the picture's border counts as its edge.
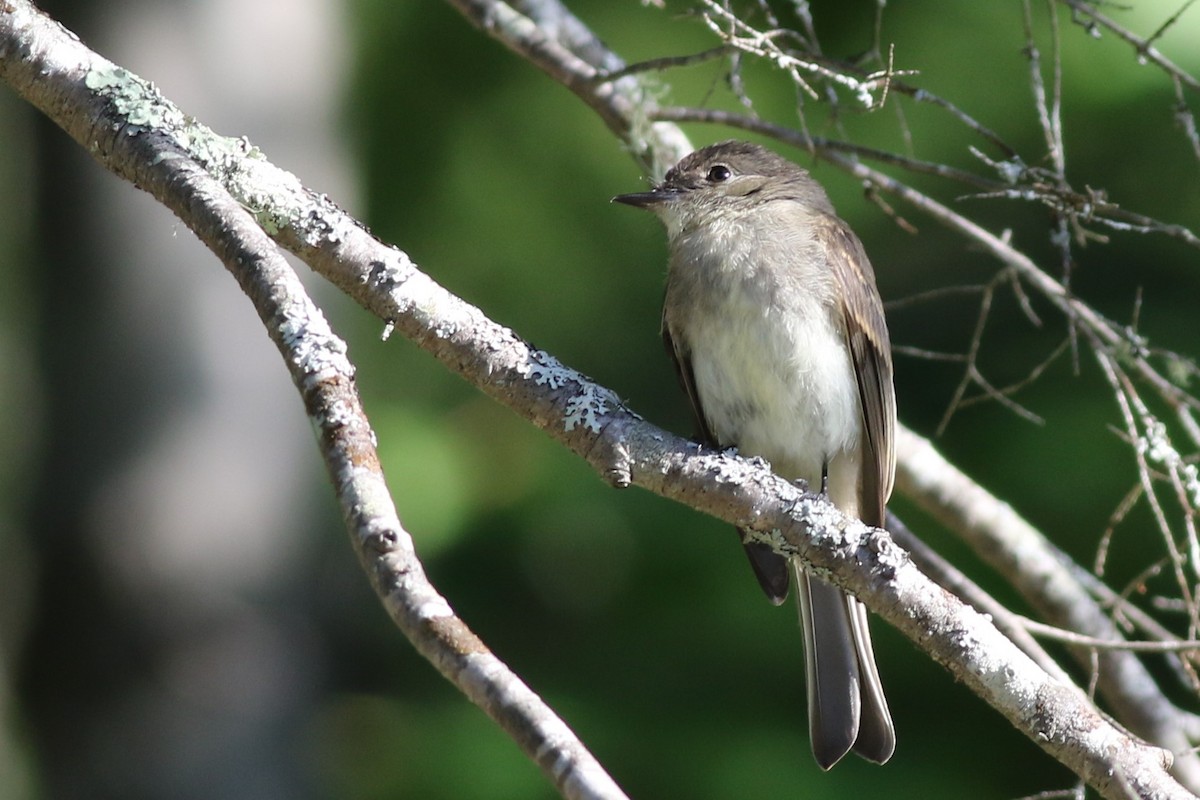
(648, 199)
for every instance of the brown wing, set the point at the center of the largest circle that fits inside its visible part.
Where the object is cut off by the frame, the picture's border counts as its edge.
(770, 568)
(871, 352)
(682, 359)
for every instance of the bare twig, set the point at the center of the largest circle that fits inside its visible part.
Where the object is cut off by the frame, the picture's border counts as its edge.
(1118, 516)
(1091, 18)
(1131, 617)
(664, 62)
(1004, 394)
(1151, 444)
(1048, 112)
(1169, 22)
(1185, 118)
(1070, 637)
(1063, 200)
(820, 144)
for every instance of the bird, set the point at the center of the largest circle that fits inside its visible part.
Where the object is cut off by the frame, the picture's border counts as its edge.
(776, 328)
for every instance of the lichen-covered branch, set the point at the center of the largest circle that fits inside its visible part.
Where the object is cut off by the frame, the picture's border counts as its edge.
(138, 135)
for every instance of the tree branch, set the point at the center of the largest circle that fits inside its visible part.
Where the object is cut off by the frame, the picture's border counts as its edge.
(1045, 577)
(135, 133)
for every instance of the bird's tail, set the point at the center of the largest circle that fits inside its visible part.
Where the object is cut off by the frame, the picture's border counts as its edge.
(846, 707)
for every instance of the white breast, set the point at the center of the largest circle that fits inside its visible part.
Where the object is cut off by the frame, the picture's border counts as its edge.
(769, 356)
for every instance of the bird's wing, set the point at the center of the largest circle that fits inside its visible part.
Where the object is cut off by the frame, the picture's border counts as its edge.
(681, 358)
(870, 350)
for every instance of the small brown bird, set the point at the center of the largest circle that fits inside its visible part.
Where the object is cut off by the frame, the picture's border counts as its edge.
(777, 332)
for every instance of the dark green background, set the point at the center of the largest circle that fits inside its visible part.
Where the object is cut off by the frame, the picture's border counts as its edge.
(635, 618)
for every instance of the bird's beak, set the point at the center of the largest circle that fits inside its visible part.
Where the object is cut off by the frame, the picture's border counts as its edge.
(650, 199)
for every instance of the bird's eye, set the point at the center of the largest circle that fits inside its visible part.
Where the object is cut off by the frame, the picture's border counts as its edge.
(718, 173)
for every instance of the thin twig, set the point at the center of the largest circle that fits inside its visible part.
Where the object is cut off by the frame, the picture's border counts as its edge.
(1044, 631)
(1142, 47)
(661, 63)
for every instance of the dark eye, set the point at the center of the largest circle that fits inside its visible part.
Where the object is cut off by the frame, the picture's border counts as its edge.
(718, 174)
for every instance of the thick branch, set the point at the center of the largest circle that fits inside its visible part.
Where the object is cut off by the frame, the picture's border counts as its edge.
(1044, 575)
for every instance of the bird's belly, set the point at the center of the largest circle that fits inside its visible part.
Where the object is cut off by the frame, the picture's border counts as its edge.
(779, 386)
